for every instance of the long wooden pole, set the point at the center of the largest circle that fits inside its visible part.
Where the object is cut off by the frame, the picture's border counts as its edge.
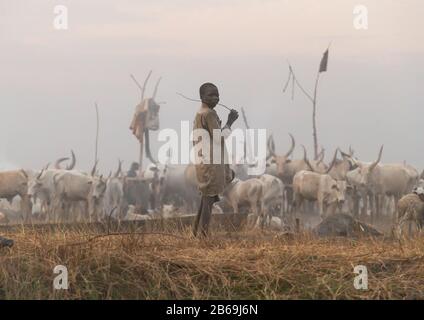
(97, 133)
(142, 91)
(314, 119)
(313, 99)
(140, 170)
(246, 145)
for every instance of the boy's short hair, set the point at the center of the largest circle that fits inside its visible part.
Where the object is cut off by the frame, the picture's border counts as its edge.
(204, 86)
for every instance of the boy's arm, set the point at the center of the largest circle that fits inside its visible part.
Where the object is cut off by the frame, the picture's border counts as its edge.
(213, 123)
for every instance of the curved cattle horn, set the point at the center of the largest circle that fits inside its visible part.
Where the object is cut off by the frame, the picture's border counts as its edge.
(58, 162)
(145, 84)
(374, 164)
(344, 154)
(271, 147)
(24, 173)
(321, 155)
(155, 91)
(292, 146)
(39, 175)
(305, 158)
(351, 151)
(73, 162)
(118, 172)
(272, 144)
(332, 162)
(93, 171)
(351, 159)
(42, 170)
(147, 142)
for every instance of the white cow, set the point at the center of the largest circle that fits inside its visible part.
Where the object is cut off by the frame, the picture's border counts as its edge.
(15, 183)
(318, 187)
(248, 192)
(114, 201)
(273, 196)
(386, 180)
(74, 187)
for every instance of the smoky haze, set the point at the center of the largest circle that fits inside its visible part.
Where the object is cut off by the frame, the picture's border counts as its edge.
(50, 79)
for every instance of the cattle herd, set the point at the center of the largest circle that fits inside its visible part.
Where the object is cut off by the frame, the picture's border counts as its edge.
(370, 191)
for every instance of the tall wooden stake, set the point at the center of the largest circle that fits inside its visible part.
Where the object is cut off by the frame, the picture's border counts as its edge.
(313, 99)
(314, 119)
(142, 91)
(140, 170)
(97, 133)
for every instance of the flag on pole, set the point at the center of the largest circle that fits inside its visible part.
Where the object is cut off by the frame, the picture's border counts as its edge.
(324, 61)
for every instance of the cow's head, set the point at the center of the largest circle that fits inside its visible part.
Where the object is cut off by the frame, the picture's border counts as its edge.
(281, 161)
(342, 186)
(420, 183)
(337, 190)
(97, 184)
(365, 170)
(419, 191)
(35, 184)
(317, 168)
(98, 188)
(37, 208)
(349, 161)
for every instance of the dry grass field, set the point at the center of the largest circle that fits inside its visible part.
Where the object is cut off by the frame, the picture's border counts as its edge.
(228, 265)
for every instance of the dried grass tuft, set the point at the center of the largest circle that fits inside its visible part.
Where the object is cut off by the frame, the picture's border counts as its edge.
(238, 265)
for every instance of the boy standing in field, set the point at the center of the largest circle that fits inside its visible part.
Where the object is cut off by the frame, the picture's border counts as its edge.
(212, 177)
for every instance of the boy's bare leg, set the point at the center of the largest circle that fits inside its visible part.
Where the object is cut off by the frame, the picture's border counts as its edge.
(196, 222)
(206, 215)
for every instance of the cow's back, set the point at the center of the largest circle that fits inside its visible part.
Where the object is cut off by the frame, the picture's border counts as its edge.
(306, 183)
(392, 179)
(73, 186)
(272, 187)
(249, 190)
(12, 182)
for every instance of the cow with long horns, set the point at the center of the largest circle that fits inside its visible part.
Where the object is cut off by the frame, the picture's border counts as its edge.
(318, 186)
(41, 187)
(75, 187)
(385, 180)
(15, 183)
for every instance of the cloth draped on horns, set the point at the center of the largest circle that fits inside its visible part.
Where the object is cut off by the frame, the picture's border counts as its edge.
(138, 122)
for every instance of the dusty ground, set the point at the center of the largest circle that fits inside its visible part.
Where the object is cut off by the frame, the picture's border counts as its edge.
(229, 265)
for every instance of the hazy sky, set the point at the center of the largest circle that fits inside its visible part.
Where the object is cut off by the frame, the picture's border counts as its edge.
(50, 79)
